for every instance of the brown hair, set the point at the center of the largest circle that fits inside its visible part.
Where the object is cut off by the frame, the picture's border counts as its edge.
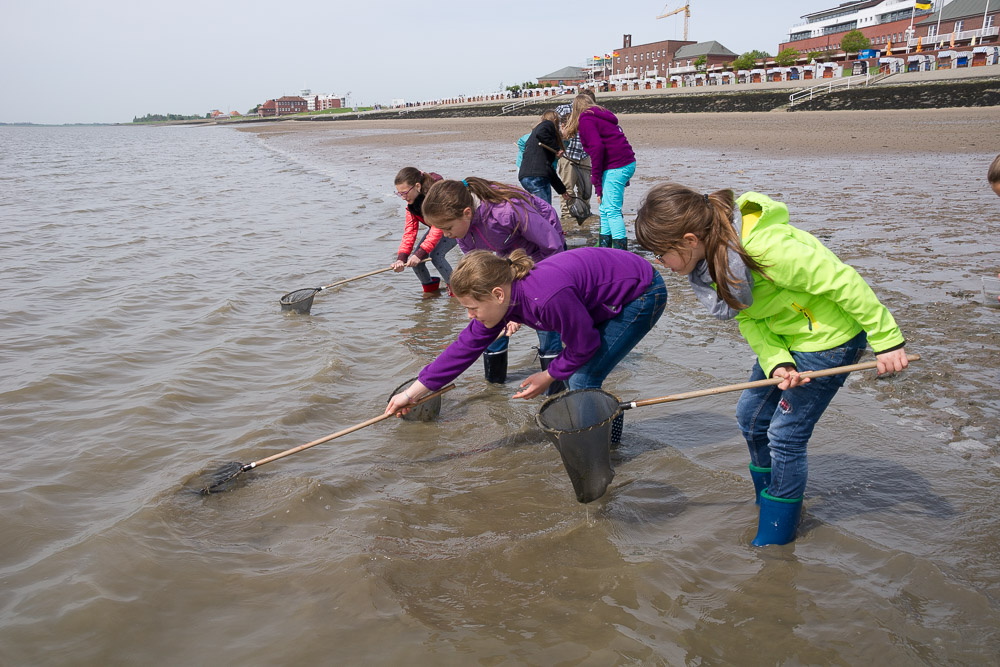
(412, 176)
(581, 103)
(447, 199)
(480, 271)
(670, 211)
(993, 175)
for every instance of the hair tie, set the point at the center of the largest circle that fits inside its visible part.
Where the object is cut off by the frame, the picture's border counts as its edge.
(509, 263)
(465, 183)
(706, 198)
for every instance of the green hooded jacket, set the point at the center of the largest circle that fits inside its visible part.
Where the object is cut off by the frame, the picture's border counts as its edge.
(807, 300)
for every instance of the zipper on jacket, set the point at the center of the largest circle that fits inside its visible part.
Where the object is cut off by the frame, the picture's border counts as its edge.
(805, 314)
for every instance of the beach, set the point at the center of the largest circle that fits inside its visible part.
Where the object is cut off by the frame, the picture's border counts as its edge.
(802, 133)
(146, 348)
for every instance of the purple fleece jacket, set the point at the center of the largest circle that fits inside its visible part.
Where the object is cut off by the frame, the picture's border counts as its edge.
(502, 228)
(604, 142)
(571, 292)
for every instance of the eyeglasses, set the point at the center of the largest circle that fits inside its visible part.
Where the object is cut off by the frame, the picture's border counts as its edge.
(403, 194)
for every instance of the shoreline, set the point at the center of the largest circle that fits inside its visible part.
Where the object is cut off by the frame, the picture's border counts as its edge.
(938, 131)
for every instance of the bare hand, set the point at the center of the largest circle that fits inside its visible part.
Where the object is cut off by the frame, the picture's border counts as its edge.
(891, 362)
(398, 266)
(790, 377)
(535, 384)
(412, 261)
(567, 196)
(512, 328)
(398, 403)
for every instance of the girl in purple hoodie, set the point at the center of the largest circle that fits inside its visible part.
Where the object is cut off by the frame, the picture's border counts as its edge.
(602, 302)
(612, 164)
(487, 215)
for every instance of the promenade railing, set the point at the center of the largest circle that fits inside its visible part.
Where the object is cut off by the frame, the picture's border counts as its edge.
(858, 80)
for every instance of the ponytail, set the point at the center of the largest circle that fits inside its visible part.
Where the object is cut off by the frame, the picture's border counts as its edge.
(670, 211)
(446, 200)
(480, 271)
(411, 176)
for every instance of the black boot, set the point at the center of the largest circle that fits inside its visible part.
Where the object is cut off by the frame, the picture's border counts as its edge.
(604, 240)
(621, 244)
(557, 386)
(495, 366)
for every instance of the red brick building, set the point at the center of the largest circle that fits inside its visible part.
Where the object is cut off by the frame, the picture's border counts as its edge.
(283, 106)
(644, 59)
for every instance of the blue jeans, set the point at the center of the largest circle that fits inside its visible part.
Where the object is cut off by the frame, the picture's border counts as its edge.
(621, 333)
(538, 186)
(549, 343)
(437, 259)
(777, 424)
(613, 182)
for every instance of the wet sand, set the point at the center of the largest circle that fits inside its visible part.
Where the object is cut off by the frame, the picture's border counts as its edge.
(784, 133)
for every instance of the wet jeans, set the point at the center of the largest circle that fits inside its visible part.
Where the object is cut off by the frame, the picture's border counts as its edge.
(777, 424)
(613, 182)
(438, 259)
(539, 186)
(620, 334)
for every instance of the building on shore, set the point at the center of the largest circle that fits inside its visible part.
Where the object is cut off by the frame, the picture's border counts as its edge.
(322, 102)
(564, 77)
(283, 106)
(895, 27)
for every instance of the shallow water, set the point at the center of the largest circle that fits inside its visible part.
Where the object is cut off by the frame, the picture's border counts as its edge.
(144, 347)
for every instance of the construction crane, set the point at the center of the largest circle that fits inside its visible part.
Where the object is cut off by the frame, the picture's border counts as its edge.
(687, 14)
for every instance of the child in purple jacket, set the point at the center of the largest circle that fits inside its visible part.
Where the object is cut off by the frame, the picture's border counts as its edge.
(612, 164)
(487, 215)
(601, 303)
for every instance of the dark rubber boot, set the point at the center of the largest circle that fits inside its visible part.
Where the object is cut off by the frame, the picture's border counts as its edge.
(761, 480)
(433, 286)
(604, 241)
(616, 430)
(779, 517)
(556, 387)
(620, 244)
(495, 366)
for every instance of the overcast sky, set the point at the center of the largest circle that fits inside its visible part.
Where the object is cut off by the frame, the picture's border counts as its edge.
(107, 61)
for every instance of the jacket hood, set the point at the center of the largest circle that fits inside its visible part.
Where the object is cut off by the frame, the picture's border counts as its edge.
(603, 114)
(759, 212)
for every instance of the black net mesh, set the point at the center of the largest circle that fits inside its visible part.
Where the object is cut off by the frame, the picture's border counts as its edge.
(579, 424)
(299, 300)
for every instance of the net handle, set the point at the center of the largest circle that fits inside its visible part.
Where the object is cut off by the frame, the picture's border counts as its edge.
(839, 370)
(363, 275)
(352, 429)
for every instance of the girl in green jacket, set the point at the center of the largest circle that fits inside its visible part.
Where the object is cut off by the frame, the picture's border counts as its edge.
(798, 306)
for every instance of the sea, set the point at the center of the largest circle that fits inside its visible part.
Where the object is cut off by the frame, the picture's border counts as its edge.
(144, 348)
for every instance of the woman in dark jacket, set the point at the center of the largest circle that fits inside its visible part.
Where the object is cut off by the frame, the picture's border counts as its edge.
(537, 174)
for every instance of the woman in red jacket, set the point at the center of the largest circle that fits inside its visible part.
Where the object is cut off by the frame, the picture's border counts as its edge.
(411, 185)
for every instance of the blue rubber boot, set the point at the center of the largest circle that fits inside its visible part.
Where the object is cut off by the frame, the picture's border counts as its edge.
(761, 480)
(604, 240)
(779, 517)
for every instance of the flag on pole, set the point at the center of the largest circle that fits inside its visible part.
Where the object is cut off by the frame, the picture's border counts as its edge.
(923, 4)
(597, 57)
(615, 54)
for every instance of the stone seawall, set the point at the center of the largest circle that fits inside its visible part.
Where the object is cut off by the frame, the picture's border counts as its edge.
(885, 95)
(937, 95)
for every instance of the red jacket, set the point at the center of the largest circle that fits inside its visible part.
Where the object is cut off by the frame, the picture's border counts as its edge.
(412, 226)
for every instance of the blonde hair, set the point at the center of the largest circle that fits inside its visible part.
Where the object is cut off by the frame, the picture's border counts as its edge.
(993, 175)
(581, 103)
(670, 211)
(480, 271)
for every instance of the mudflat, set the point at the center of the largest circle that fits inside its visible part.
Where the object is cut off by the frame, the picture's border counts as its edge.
(945, 131)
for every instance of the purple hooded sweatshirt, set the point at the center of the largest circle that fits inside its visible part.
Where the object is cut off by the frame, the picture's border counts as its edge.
(571, 292)
(604, 142)
(502, 228)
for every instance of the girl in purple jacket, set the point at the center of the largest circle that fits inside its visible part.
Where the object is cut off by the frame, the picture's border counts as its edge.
(487, 215)
(612, 164)
(602, 302)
